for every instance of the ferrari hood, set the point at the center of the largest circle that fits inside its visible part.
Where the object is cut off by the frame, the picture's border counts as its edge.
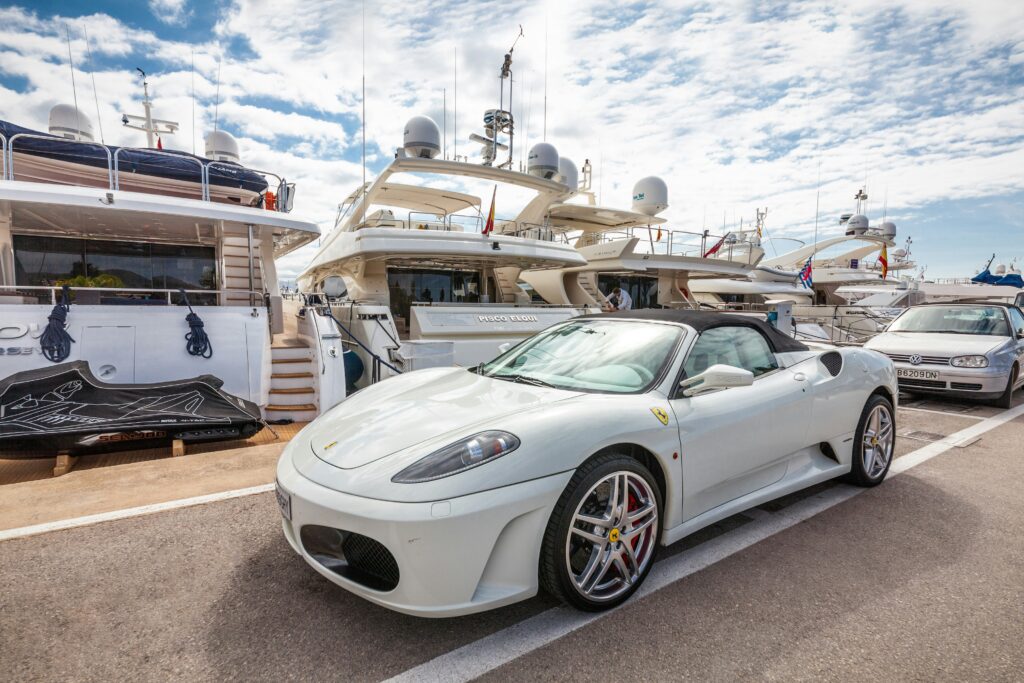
(928, 344)
(403, 411)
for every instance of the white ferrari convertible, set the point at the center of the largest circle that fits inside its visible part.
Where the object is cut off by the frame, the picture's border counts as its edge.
(568, 460)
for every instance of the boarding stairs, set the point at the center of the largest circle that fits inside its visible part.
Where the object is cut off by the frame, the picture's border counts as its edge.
(293, 394)
(588, 282)
(236, 269)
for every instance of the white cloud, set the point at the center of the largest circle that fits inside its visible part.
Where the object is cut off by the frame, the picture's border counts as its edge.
(735, 104)
(170, 11)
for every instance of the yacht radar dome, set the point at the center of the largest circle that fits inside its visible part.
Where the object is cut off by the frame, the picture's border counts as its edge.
(1000, 269)
(543, 161)
(857, 225)
(900, 253)
(650, 196)
(70, 123)
(887, 230)
(422, 137)
(568, 174)
(222, 146)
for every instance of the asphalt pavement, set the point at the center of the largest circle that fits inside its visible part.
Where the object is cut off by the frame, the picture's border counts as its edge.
(921, 578)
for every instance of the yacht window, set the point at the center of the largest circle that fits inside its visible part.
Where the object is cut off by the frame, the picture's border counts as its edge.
(49, 261)
(409, 286)
(740, 347)
(642, 290)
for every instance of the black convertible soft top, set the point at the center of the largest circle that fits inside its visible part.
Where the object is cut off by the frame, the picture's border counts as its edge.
(705, 320)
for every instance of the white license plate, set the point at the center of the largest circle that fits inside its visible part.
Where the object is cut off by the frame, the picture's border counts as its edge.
(910, 373)
(284, 501)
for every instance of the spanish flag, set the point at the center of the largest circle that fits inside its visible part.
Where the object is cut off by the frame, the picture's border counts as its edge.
(883, 258)
(489, 228)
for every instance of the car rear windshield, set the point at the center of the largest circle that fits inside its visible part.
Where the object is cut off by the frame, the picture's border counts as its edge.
(988, 320)
(602, 356)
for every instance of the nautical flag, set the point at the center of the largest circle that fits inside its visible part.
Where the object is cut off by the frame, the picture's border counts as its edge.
(659, 233)
(805, 274)
(714, 250)
(159, 143)
(489, 228)
(883, 258)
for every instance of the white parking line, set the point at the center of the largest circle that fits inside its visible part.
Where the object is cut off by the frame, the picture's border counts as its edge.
(484, 655)
(943, 412)
(21, 532)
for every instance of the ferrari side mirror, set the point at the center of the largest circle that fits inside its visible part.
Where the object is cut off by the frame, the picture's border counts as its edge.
(717, 377)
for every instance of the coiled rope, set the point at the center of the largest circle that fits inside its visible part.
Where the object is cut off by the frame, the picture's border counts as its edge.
(196, 341)
(56, 342)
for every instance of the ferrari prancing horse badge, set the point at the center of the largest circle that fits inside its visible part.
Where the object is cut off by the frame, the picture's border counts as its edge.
(661, 415)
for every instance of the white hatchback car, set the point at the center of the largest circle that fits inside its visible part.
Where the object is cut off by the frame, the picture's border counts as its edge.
(966, 350)
(568, 460)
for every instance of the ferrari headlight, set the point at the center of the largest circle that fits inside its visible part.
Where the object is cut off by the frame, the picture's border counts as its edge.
(459, 457)
(969, 362)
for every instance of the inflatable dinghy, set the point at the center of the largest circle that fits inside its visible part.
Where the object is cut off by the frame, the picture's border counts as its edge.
(65, 408)
(48, 158)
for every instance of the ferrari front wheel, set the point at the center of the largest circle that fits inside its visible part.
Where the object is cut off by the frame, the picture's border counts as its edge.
(603, 534)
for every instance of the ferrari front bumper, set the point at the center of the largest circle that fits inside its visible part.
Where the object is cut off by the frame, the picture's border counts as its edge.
(453, 557)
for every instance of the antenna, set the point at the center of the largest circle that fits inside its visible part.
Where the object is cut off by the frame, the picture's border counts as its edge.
(216, 103)
(92, 75)
(455, 105)
(193, 100)
(74, 90)
(545, 139)
(817, 203)
(444, 121)
(147, 124)
(363, 46)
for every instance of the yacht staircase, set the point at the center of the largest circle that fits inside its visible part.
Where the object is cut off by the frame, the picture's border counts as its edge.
(588, 281)
(505, 279)
(293, 394)
(236, 268)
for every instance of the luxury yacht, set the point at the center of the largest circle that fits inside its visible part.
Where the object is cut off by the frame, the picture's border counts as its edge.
(149, 265)
(631, 249)
(418, 273)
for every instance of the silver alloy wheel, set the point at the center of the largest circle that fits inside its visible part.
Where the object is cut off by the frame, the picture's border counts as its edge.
(877, 445)
(612, 536)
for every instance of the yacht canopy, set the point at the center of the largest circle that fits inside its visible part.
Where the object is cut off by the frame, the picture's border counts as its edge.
(598, 218)
(419, 198)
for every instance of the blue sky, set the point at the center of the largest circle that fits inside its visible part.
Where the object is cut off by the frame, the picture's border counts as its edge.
(736, 105)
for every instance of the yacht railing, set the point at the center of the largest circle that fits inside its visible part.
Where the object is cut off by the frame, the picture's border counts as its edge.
(133, 294)
(113, 165)
(457, 222)
(682, 243)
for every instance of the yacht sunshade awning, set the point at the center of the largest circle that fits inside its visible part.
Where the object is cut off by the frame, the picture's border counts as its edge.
(598, 218)
(417, 198)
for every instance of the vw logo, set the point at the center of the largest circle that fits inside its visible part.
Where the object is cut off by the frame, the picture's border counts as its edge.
(915, 359)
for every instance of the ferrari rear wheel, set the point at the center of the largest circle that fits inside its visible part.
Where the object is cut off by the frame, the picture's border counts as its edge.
(874, 443)
(603, 534)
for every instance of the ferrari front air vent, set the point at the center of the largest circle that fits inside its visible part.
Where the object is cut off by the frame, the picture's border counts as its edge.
(833, 362)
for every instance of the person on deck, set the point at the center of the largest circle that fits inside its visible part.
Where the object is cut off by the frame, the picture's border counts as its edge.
(619, 300)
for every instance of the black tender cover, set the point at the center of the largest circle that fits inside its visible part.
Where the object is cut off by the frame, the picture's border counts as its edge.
(65, 407)
(705, 320)
(132, 160)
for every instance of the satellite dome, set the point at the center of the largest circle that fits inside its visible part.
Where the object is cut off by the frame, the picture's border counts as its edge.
(222, 146)
(422, 137)
(887, 229)
(857, 225)
(650, 196)
(568, 174)
(899, 253)
(1000, 269)
(68, 122)
(543, 161)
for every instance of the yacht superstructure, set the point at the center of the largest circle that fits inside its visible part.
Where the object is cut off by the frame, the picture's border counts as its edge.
(132, 247)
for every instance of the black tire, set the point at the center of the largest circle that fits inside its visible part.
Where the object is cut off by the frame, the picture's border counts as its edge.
(859, 473)
(1006, 400)
(554, 557)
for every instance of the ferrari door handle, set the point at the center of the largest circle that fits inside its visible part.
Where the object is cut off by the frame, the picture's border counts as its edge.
(799, 376)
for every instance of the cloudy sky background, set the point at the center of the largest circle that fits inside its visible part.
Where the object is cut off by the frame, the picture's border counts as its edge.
(737, 105)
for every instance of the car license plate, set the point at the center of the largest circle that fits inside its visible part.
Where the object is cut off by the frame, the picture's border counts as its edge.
(284, 501)
(911, 373)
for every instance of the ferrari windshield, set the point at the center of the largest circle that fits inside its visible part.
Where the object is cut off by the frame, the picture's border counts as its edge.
(605, 356)
(989, 320)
